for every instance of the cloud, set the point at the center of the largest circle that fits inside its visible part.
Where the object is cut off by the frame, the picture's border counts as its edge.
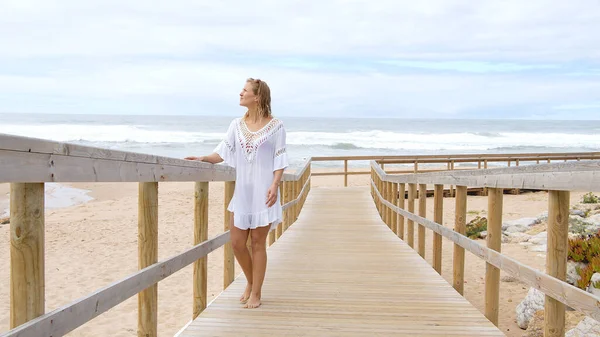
(332, 57)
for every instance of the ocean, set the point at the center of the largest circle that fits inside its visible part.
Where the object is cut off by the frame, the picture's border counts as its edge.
(181, 136)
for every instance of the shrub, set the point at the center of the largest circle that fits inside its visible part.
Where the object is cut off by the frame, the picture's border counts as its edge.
(590, 198)
(476, 226)
(587, 250)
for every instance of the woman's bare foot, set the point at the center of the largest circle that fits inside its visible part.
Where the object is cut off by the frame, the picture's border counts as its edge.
(253, 302)
(246, 294)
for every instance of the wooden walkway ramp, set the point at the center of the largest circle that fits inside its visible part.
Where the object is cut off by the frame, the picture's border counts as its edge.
(339, 271)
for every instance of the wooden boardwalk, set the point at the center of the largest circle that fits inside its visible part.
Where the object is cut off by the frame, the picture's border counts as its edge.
(339, 271)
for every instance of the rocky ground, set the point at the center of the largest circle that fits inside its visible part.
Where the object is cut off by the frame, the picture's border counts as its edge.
(584, 222)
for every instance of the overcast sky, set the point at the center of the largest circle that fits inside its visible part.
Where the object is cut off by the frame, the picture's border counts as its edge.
(433, 59)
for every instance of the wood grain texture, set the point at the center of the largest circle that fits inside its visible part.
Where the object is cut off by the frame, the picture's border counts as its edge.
(422, 213)
(366, 282)
(494, 241)
(556, 259)
(200, 276)
(438, 213)
(575, 176)
(65, 319)
(147, 256)
(40, 167)
(572, 296)
(460, 226)
(27, 260)
(228, 257)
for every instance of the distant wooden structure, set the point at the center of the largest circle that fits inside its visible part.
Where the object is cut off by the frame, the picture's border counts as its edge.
(29, 163)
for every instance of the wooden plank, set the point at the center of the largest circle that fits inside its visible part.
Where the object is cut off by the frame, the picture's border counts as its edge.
(147, 256)
(38, 167)
(562, 291)
(543, 155)
(556, 259)
(422, 213)
(576, 176)
(200, 276)
(438, 213)
(494, 241)
(410, 225)
(460, 224)
(359, 285)
(228, 257)
(71, 316)
(27, 260)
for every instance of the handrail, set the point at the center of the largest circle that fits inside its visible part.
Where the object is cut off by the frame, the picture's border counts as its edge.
(65, 319)
(576, 176)
(551, 286)
(481, 156)
(27, 160)
(29, 163)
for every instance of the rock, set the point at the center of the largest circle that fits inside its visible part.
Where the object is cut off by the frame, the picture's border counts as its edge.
(572, 276)
(539, 239)
(518, 237)
(483, 235)
(586, 227)
(588, 327)
(509, 279)
(519, 225)
(533, 302)
(577, 212)
(594, 220)
(505, 239)
(538, 248)
(4, 221)
(591, 289)
(536, 325)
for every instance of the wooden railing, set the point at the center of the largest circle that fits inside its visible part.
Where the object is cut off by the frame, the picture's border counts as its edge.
(29, 163)
(558, 179)
(448, 160)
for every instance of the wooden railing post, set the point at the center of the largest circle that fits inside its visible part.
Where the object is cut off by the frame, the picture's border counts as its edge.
(494, 241)
(401, 198)
(148, 255)
(27, 278)
(346, 173)
(556, 259)
(386, 210)
(460, 221)
(438, 214)
(394, 201)
(423, 214)
(228, 257)
(200, 235)
(410, 231)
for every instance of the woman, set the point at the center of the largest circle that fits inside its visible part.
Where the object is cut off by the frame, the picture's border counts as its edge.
(255, 145)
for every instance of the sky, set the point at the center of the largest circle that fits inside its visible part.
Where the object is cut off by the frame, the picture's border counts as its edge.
(380, 58)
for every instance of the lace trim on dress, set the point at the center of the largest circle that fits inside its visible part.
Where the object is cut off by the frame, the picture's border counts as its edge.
(280, 152)
(250, 141)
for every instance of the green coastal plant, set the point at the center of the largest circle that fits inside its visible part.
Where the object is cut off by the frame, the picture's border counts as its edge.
(476, 226)
(586, 249)
(590, 198)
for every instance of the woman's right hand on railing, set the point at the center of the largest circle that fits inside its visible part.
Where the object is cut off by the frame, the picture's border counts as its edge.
(194, 158)
(212, 158)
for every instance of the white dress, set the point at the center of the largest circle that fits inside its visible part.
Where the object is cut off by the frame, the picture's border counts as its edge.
(255, 156)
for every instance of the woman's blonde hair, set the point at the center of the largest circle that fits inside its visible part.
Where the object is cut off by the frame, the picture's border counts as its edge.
(262, 90)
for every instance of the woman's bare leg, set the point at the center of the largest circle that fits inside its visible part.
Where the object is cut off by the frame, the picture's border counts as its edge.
(259, 264)
(240, 250)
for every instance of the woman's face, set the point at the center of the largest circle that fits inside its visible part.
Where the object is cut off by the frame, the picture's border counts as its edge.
(247, 96)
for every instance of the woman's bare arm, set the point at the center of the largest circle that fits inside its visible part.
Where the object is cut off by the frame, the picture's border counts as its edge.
(212, 158)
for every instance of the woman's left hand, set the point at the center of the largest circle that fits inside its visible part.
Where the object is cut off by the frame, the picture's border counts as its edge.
(272, 195)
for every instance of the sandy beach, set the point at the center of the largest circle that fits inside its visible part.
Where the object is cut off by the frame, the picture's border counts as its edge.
(93, 244)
